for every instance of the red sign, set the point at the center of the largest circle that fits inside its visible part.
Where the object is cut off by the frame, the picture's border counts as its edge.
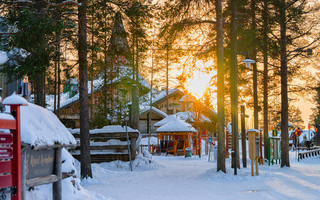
(6, 153)
(6, 139)
(297, 132)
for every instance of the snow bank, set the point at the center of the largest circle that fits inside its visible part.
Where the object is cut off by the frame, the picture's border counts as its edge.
(39, 126)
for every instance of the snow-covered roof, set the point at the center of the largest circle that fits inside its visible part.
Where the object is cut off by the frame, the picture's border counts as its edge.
(190, 116)
(3, 57)
(144, 109)
(40, 128)
(156, 96)
(108, 129)
(65, 100)
(176, 126)
(187, 98)
(166, 120)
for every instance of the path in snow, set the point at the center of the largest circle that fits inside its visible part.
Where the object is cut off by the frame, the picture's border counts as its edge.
(194, 179)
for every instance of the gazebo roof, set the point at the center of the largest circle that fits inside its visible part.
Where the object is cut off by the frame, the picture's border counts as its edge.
(176, 126)
(166, 120)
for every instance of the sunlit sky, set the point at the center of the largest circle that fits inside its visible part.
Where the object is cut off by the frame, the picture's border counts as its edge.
(199, 82)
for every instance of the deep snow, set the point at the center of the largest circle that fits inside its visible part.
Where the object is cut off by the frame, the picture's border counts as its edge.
(176, 178)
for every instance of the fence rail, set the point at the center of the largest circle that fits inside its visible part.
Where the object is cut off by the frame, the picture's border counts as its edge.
(308, 154)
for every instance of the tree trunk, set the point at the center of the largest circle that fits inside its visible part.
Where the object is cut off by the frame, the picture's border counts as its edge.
(221, 161)
(83, 90)
(59, 81)
(284, 87)
(243, 136)
(265, 77)
(254, 57)
(55, 87)
(234, 87)
(167, 80)
(39, 89)
(135, 91)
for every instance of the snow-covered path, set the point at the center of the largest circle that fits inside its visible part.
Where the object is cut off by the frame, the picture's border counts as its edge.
(195, 178)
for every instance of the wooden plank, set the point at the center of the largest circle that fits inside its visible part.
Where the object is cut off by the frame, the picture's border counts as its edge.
(5, 166)
(5, 181)
(42, 180)
(116, 148)
(7, 124)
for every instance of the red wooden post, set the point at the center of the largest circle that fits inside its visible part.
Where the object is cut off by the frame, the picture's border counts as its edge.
(16, 167)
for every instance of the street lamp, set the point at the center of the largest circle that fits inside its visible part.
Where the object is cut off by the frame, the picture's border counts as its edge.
(248, 61)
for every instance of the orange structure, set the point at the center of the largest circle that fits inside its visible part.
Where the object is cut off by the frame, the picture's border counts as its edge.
(176, 136)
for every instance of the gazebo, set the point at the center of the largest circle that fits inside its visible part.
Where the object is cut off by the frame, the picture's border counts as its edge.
(176, 136)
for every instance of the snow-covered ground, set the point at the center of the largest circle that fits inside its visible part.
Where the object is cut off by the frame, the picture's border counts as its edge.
(175, 178)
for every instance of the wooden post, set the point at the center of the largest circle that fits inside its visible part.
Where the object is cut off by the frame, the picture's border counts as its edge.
(133, 142)
(257, 166)
(252, 148)
(16, 172)
(57, 186)
(252, 168)
(23, 174)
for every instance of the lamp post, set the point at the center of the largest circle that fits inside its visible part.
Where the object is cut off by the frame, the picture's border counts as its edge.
(248, 62)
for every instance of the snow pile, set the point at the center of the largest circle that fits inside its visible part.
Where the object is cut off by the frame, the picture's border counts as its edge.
(71, 188)
(114, 129)
(14, 99)
(176, 126)
(109, 143)
(108, 129)
(39, 126)
(6, 116)
(153, 140)
(3, 57)
(141, 163)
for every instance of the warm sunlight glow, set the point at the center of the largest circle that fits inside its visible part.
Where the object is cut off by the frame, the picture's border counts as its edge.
(199, 82)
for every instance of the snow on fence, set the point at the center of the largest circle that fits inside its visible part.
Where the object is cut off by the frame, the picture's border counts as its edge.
(308, 154)
(109, 143)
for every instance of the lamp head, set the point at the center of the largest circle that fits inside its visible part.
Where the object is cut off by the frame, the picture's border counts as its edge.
(248, 62)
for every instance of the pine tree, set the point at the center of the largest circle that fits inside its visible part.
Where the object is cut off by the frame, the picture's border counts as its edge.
(85, 157)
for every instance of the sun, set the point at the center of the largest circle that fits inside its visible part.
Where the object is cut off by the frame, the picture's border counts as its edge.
(199, 82)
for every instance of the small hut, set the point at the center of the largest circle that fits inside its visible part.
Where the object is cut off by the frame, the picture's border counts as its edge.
(176, 136)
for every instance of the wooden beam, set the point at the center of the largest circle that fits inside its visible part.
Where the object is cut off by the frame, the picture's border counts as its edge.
(42, 180)
(7, 124)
